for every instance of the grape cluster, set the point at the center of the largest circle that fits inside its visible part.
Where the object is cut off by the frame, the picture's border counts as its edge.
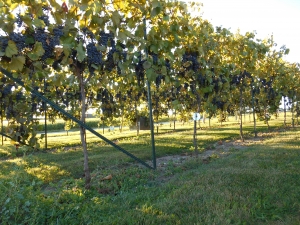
(19, 20)
(46, 8)
(58, 31)
(93, 55)
(155, 58)
(168, 64)
(139, 70)
(191, 57)
(246, 74)
(124, 56)
(6, 91)
(158, 80)
(216, 82)
(201, 80)
(19, 39)
(236, 79)
(19, 96)
(107, 101)
(47, 41)
(218, 103)
(105, 37)
(88, 33)
(3, 43)
(45, 18)
(109, 63)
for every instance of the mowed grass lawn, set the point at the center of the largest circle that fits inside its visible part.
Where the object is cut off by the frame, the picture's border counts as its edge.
(253, 183)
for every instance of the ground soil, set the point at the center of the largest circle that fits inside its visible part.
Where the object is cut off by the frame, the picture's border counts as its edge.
(219, 149)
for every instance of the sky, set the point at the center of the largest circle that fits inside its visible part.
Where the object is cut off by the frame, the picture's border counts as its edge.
(280, 18)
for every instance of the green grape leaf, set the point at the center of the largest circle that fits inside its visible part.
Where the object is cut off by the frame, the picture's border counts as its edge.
(11, 49)
(116, 18)
(150, 73)
(122, 36)
(156, 4)
(164, 70)
(80, 52)
(17, 63)
(38, 23)
(37, 51)
(155, 11)
(147, 65)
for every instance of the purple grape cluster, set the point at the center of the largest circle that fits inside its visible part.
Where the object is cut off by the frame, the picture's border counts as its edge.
(93, 55)
(19, 40)
(45, 18)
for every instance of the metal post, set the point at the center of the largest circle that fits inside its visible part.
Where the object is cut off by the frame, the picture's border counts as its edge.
(150, 105)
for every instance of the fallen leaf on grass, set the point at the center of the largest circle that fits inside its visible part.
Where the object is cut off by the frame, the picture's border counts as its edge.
(109, 177)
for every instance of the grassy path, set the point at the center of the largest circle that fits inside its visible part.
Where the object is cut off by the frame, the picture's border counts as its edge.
(256, 182)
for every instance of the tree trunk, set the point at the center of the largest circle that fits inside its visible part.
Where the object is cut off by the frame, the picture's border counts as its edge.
(253, 111)
(266, 117)
(83, 135)
(297, 108)
(122, 121)
(293, 119)
(241, 115)
(103, 125)
(174, 120)
(1, 124)
(244, 114)
(137, 121)
(284, 110)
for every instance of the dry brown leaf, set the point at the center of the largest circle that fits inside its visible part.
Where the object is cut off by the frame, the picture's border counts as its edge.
(109, 177)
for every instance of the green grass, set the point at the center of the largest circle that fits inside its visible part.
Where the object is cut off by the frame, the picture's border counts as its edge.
(256, 184)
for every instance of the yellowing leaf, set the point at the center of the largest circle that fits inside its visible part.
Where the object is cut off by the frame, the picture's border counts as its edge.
(121, 5)
(58, 52)
(17, 63)
(13, 6)
(11, 49)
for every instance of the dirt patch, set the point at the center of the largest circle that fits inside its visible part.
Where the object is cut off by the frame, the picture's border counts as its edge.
(218, 149)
